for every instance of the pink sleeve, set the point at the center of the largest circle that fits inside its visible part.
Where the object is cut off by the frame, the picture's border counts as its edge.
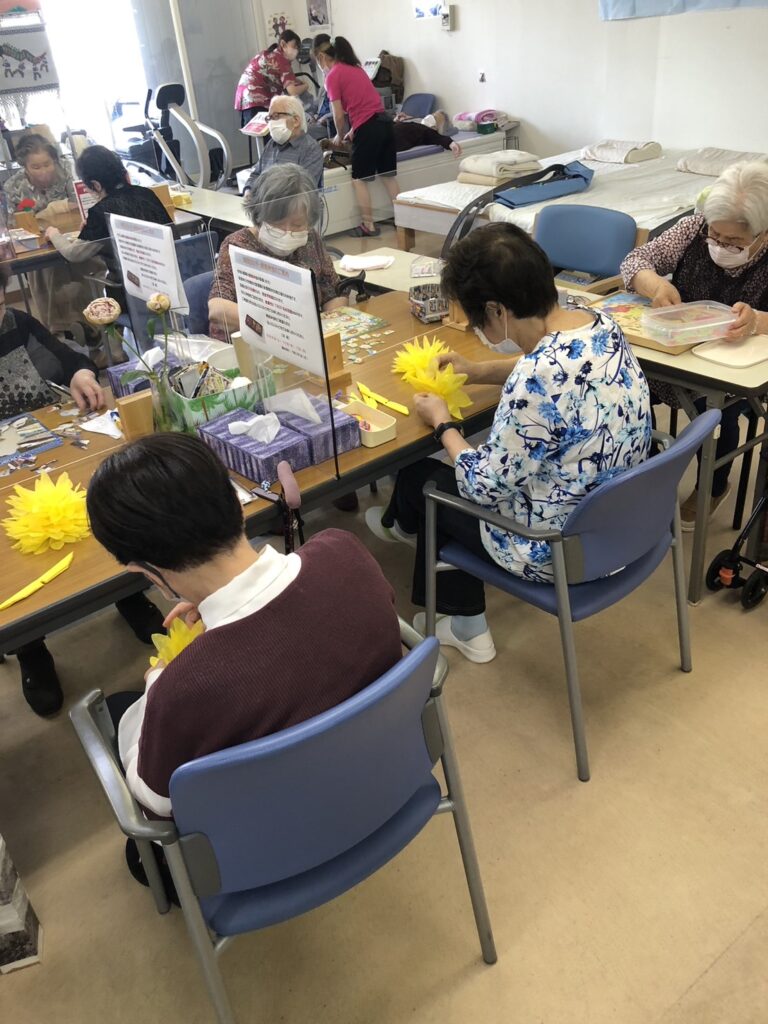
(664, 253)
(284, 70)
(330, 86)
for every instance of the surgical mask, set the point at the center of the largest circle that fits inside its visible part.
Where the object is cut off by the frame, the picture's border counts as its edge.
(280, 132)
(505, 347)
(725, 258)
(281, 242)
(291, 54)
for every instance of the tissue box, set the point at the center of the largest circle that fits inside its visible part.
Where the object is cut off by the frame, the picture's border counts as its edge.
(116, 373)
(254, 459)
(319, 435)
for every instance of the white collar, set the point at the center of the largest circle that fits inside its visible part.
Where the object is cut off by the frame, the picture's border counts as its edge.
(251, 589)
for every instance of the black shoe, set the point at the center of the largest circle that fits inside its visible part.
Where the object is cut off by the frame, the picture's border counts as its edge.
(39, 682)
(133, 860)
(142, 616)
(347, 503)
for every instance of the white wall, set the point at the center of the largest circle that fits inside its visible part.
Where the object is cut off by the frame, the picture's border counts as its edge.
(686, 80)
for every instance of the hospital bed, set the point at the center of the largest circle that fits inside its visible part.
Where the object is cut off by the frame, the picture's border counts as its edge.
(417, 168)
(652, 192)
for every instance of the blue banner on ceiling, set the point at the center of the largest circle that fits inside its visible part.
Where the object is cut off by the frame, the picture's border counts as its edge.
(616, 10)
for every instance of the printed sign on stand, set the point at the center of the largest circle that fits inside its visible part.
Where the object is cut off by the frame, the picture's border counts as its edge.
(278, 312)
(85, 198)
(147, 256)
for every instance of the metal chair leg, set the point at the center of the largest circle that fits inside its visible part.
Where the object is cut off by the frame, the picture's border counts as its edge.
(200, 936)
(746, 469)
(678, 568)
(153, 875)
(466, 840)
(571, 663)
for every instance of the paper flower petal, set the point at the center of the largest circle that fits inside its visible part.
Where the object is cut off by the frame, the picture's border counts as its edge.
(418, 366)
(48, 515)
(179, 637)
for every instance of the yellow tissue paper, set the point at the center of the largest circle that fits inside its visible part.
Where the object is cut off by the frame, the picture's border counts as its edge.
(179, 637)
(48, 515)
(418, 366)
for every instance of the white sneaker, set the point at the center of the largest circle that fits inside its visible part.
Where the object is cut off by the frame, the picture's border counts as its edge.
(479, 649)
(390, 535)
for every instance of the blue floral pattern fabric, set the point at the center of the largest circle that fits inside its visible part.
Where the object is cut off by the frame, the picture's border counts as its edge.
(572, 414)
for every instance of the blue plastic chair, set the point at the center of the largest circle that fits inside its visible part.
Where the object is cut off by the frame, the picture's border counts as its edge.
(612, 542)
(418, 104)
(198, 288)
(271, 829)
(587, 238)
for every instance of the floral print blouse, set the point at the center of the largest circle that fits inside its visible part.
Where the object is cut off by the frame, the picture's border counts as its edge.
(573, 413)
(268, 74)
(19, 187)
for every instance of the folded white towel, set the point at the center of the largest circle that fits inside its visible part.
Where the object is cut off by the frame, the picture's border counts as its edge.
(619, 151)
(353, 264)
(501, 164)
(713, 161)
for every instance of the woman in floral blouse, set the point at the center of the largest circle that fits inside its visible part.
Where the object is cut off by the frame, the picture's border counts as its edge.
(284, 206)
(574, 412)
(269, 74)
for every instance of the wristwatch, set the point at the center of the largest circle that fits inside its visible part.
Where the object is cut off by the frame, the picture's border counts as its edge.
(441, 428)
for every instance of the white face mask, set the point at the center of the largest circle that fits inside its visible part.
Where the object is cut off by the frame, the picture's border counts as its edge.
(505, 347)
(281, 242)
(291, 54)
(725, 258)
(280, 131)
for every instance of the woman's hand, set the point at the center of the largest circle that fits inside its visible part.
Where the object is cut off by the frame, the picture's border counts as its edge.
(336, 142)
(51, 233)
(455, 148)
(666, 295)
(745, 324)
(460, 365)
(431, 408)
(86, 391)
(184, 610)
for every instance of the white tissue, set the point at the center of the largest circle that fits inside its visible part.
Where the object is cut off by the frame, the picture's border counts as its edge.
(295, 401)
(151, 357)
(260, 428)
(240, 382)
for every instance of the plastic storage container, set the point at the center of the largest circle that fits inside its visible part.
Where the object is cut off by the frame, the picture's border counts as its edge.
(688, 324)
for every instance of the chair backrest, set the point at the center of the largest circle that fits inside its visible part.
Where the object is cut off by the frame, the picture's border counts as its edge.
(198, 288)
(624, 518)
(418, 104)
(587, 238)
(278, 806)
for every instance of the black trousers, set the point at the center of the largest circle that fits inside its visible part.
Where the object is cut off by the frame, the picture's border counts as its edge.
(728, 440)
(118, 704)
(457, 592)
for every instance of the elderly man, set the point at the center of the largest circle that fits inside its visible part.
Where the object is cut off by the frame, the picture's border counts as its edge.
(288, 142)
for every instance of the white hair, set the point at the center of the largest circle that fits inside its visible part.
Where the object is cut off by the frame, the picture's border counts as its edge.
(740, 194)
(295, 106)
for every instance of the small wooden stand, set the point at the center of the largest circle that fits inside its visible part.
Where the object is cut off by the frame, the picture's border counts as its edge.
(339, 376)
(456, 318)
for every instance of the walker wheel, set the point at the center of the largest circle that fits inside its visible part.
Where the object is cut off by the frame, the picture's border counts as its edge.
(724, 561)
(754, 589)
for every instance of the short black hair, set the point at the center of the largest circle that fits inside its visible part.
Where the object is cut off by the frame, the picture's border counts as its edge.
(33, 143)
(165, 499)
(97, 163)
(499, 263)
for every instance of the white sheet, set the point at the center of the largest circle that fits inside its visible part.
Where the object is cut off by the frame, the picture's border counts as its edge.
(450, 195)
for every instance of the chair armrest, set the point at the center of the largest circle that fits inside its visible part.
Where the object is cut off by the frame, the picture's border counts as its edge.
(103, 759)
(663, 439)
(431, 493)
(336, 253)
(409, 638)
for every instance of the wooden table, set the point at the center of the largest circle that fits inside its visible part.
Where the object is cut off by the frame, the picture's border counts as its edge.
(396, 278)
(95, 580)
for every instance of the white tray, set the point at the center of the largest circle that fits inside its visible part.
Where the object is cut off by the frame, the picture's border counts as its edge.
(738, 354)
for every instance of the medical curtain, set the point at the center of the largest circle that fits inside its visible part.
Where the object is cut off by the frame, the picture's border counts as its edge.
(615, 10)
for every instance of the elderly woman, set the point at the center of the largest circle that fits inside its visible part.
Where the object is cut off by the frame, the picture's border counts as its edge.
(574, 411)
(720, 253)
(44, 186)
(285, 208)
(288, 142)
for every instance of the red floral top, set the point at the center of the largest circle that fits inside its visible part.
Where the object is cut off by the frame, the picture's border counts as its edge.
(267, 75)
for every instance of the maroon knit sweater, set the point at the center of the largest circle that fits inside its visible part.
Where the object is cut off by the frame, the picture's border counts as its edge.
(330, 633)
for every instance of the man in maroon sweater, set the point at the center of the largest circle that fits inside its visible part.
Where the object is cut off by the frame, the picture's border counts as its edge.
(286, 636)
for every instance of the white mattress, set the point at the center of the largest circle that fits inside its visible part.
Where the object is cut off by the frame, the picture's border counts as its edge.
(651, 192)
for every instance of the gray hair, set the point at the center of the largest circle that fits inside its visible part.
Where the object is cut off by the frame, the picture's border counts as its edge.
(295, 106)
(281, 191)
(740, 194)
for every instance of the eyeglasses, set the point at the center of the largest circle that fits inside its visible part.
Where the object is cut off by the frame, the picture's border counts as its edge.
(728, 246)
(279, 115)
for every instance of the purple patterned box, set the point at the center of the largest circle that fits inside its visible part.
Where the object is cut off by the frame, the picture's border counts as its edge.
(254, 459)
(115, 374)
(319, 434)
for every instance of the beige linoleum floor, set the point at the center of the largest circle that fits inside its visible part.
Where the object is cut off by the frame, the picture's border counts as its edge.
(639, 898)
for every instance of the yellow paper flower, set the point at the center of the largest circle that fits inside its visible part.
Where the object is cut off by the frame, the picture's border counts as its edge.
(179, 637)
(158, 302)
(46, 516)
(102, 312)
(418, 365)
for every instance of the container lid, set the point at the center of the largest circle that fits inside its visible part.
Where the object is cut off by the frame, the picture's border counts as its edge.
(688, 323)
